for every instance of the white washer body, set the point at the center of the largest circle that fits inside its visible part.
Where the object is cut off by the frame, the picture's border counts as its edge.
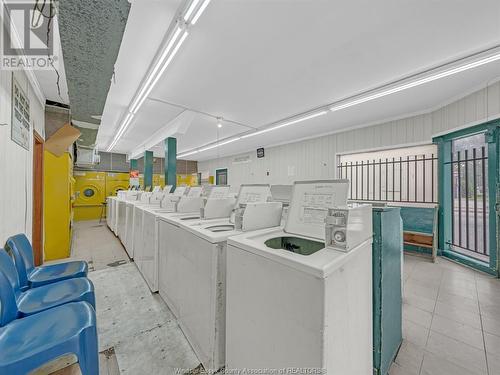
(192, 274)
(109, 211)
(287, 310)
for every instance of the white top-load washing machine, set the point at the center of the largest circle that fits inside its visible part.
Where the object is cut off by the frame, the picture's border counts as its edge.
(147, 200)
(294, 300)
(146, 250)
(192, 268)
(121, 209)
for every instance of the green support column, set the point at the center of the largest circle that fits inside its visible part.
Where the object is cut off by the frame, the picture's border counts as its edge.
(148, 168)
(171, 162)
(133, 164)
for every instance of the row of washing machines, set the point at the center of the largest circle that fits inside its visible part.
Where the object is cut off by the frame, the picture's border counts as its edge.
(273, 278)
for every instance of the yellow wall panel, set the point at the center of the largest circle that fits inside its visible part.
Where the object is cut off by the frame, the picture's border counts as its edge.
(57, 205)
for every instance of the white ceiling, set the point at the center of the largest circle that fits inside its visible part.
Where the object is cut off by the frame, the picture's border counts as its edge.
(261, 61)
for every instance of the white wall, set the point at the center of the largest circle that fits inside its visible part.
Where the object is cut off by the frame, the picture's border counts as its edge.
(16, 163)
(316, 158)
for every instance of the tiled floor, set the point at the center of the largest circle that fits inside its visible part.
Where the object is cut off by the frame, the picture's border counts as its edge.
(451, 320)
(451, 315)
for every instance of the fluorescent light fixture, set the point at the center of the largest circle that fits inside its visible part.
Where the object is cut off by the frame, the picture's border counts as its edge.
(414, 83)
(148, 86)
(187, 154)
(190, 10)
(200, 11)
(121, 130)
(291, 122)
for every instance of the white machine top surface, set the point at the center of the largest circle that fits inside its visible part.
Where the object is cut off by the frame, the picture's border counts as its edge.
(310, 203)
(251, 193)
(321, 263)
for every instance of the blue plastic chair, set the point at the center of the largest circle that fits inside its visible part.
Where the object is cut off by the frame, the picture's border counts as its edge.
(44, 297)
(28, 343)
(33, 277)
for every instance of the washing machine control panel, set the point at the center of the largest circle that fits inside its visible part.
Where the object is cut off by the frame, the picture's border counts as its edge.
(347, 227)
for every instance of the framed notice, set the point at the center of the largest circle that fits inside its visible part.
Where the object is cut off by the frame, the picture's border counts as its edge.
(20, 124)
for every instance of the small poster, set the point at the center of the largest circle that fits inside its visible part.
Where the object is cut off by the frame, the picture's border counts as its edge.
(260, 152)
(20, 124)
(134, 178)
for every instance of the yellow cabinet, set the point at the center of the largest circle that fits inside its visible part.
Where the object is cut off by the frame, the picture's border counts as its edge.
(57, 212)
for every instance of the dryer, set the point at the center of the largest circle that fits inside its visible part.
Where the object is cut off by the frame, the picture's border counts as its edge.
(90, 195)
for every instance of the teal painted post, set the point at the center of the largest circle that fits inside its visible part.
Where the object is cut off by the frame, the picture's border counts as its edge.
(148, 168)
(133, 164)
(171, 162)
(493, 177)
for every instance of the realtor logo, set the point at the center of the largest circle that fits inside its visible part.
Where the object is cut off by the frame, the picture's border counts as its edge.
(27, 35)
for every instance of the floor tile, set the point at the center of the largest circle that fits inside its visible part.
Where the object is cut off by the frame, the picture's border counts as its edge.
(491, 324)
(415, 333)
(492, 343)
(423, 303)
(457, 352)
(461, 303)
(458, 315)
(417, 315)
(410, 357)
(434, 365)
(458, 331)
(398, 370)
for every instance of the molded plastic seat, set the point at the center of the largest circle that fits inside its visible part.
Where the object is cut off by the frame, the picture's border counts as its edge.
(28, 343)
(44, 297)
(33, 277)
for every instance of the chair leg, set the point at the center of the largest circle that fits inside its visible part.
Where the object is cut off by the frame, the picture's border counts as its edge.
(88, 357)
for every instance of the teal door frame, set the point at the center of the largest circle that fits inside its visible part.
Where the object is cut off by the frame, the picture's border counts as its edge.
(492, 133)
(217, 175)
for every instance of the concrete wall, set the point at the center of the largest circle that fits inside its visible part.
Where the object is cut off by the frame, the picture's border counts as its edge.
(316, 158)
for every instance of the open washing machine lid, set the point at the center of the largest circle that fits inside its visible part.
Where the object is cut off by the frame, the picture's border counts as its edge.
(310, 203)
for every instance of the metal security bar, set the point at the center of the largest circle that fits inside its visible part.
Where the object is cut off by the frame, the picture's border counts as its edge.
(469, 203)
(409, 179)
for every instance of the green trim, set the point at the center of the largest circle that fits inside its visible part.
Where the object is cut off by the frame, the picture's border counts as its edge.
(133, 164)
(417, 249)
(443, 142)
(468, 261)
(148, 168)
(171, 161)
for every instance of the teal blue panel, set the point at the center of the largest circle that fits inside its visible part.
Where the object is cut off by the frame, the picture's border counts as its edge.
(133, 164)
(171, 162)
(387, 296)
(148, 168)
(418, 219)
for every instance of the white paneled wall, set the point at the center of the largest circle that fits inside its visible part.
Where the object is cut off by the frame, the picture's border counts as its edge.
(316, 158)
(16, 163)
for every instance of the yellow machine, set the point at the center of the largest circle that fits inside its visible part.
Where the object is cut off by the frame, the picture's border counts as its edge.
(90, 192)
(58, 205)
(116, 182)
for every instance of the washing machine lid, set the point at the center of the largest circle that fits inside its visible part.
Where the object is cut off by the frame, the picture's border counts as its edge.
(216, 191)
(310, 203)
(251, 193)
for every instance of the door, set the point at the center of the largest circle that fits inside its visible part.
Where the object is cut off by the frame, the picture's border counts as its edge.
(37, 233)
(468, 197)
(221, 176)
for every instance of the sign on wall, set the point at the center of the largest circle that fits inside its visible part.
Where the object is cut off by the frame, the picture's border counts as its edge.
(20, 124)
(260, 152)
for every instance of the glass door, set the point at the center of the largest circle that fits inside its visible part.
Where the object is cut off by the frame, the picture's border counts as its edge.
(468, 178)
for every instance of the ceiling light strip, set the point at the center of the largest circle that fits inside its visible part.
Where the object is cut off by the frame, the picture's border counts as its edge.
(146, 88)
(201, 9)
(467, 64)
(166, 57)
(191, 9)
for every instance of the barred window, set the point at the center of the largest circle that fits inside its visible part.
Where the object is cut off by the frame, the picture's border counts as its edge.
(397, 175)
